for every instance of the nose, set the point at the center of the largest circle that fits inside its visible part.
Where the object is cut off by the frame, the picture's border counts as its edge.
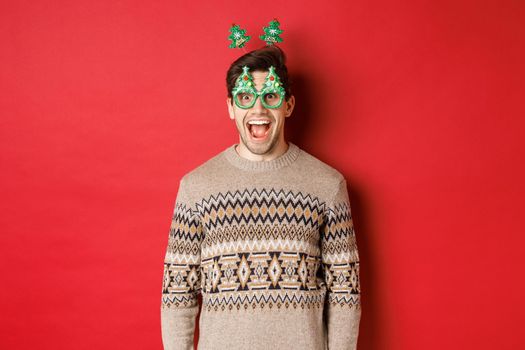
(258, 106)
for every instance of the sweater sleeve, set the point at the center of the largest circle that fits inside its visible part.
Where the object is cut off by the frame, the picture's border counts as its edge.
(340, 261)
(182, 277)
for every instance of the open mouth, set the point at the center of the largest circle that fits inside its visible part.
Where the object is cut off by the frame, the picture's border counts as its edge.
(259, 129)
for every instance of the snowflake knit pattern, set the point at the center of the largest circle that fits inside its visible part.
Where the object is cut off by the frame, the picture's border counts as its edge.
(271, 248)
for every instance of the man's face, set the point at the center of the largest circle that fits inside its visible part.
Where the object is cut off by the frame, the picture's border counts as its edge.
(263, 138)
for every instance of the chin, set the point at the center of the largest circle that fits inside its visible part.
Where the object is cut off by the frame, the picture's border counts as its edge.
(259, 147)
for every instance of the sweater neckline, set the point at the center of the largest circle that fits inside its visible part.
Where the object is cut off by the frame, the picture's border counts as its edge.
(284, 159)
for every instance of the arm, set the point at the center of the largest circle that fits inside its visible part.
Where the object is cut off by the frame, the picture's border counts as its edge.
(182, 278)
(340, 261)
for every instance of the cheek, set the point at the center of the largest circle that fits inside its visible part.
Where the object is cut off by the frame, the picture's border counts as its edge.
(240, 117)
(279, 116)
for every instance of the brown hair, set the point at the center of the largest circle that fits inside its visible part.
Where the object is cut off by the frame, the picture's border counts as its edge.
(261, 60)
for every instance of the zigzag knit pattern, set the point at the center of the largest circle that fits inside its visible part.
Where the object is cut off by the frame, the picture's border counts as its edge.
(260, 248)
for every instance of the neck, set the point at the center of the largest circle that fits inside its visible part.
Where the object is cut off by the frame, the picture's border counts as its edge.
(287, 158)
(277, 150)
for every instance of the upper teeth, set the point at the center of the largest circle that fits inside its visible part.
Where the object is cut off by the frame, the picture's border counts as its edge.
(259, 122)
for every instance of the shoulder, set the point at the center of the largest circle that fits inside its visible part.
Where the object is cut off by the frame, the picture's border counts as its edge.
(330, 182)
(204, 171)
(321, 172)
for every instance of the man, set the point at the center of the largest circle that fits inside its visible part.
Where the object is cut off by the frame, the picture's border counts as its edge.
(264, 232)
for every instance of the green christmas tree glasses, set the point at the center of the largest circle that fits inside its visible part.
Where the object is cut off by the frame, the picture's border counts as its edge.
(245, 94)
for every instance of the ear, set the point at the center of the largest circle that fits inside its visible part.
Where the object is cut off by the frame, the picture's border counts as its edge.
(289, 105)
(230, 108)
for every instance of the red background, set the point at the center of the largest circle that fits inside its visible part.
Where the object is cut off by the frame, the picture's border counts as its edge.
(106, 104)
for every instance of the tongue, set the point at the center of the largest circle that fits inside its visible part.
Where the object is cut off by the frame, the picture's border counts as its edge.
(259, 130)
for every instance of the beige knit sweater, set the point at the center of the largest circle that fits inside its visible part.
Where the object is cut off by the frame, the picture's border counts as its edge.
(271, 247)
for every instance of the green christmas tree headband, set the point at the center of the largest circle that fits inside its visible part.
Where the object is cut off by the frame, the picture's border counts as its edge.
(244, 92)
(271, 35)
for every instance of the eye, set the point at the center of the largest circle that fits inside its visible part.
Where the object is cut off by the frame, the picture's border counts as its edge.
(244, 98)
